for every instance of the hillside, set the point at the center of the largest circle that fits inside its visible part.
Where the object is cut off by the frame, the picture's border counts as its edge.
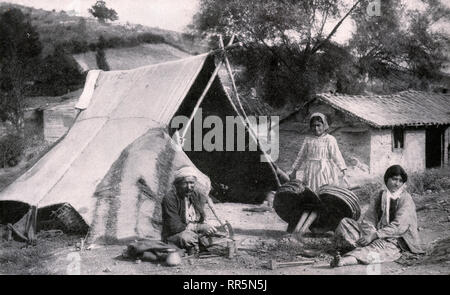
(80, 33)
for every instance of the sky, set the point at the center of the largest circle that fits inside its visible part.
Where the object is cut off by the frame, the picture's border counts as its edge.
(166, 14)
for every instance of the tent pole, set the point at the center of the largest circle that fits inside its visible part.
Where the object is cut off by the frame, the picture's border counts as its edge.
(230, 73)
(252, 132)
(229, 46)
(200, 100)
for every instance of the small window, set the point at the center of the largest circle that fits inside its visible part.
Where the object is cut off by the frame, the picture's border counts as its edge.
(398, 138)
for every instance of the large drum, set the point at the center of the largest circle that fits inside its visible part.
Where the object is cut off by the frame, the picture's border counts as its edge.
(337, 203)
(291, 200)
(332, 204)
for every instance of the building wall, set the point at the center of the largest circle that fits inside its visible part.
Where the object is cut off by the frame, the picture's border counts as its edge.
(411, 157)
(354, 146)
(371, 148)
(33, 123)
(57, 122)
(353, 137)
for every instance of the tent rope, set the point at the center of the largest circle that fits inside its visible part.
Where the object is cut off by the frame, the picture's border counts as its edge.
(244, 114)
(241, 113)
(200, 100)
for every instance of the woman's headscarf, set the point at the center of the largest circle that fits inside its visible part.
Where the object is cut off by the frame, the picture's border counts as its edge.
(322, 117)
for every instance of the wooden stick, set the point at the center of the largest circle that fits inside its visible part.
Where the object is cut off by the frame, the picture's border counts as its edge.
(221, 50)
(211, 206)
(230, 73)
(301, 221)
(205, 91)
(312, 216)
(246, 123)
(275, 265)
(346, 182)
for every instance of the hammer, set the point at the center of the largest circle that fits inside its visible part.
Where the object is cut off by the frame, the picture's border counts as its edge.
(225, 225)
(275, 265)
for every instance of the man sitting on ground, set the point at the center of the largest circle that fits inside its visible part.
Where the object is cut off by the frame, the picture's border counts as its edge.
(183, 214)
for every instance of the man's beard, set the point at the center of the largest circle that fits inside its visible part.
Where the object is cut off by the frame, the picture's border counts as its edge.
(187, 193)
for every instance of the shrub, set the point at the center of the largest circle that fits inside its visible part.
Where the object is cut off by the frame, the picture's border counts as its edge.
(433, 179)
(79, 46)
(367, 191)
(101, 60)
(11, 148)
(58, 74)
(150, 38)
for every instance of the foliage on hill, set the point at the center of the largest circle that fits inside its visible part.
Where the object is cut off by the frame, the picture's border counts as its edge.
(79, 34)
(289, 54)
(103, 13)
(20, 49)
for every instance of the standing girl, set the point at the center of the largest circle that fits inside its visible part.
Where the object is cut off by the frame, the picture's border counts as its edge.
(320, 159)
(320, 156)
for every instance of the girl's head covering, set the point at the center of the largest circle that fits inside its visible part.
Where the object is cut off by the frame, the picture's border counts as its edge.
(322, 117)
(395, 170)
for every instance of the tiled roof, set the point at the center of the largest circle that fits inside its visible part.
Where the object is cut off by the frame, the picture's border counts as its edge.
(406, 108)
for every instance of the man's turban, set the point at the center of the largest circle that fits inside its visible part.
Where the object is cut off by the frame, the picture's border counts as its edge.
(185, 172)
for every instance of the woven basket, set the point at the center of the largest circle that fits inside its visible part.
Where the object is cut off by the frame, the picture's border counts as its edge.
(70, 218)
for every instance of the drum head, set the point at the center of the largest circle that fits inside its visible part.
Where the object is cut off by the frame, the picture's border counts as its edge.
(292, 198)
(338, 203)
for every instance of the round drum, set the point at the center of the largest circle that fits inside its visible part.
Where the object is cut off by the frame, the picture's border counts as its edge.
(292, 199)
(337, 203)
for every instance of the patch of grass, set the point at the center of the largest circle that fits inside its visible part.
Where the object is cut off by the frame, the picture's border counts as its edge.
(288, 249)
(23, 261)
(435, 180)
(15, 258)
(432, 179)
(366, 191)
(438, 253)
(34, 148)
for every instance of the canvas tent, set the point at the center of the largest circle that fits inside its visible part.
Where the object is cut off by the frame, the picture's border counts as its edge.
(117, 160)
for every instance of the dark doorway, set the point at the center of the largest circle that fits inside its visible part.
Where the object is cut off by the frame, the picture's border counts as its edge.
(434, 147)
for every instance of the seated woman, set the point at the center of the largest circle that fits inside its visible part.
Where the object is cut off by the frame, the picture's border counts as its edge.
(388, 227)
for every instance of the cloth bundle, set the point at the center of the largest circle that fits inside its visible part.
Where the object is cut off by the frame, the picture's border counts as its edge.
(149, 250)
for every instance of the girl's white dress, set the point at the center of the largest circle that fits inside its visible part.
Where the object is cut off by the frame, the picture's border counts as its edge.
(320, 160)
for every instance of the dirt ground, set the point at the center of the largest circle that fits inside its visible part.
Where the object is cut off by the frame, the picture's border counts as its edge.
(260, 236)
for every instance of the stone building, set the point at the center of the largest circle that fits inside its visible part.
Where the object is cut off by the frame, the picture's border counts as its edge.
(409, 128)
(57, 119)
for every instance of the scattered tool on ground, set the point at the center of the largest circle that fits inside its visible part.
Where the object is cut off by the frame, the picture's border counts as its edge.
(208, 255)
(273, 264)
(225, 225)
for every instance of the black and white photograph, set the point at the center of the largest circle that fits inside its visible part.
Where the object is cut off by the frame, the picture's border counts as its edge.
(236, 138)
